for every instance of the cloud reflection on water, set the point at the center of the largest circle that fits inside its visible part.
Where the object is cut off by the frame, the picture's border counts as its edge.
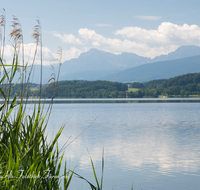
(135, 136)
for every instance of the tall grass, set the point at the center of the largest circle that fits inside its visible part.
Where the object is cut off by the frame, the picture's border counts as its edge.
(27, 159)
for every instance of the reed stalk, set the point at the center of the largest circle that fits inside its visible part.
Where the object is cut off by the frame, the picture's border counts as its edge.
(27, 160)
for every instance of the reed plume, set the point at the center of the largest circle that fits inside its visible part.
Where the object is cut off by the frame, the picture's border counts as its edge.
(23, 145)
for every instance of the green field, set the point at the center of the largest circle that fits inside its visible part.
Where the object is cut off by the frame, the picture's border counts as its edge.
(133, 89)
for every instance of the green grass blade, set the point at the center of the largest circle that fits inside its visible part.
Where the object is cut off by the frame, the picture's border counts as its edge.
(132, 187)
(91, 185)
(94, 173)
(67, 182)
(102, 169)
(2, 92)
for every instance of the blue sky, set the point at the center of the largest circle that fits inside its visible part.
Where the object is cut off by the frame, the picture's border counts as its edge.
(147, 28)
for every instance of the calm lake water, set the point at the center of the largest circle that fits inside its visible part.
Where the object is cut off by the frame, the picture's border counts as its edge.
(154, 146)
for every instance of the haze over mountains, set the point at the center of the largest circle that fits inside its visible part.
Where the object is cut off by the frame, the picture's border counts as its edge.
(158, 70)
(126, 67)
(181, 52)
(95, 64)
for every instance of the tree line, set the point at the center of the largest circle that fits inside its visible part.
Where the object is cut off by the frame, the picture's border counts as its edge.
(87, 89)
(74, 89)
(183, 85)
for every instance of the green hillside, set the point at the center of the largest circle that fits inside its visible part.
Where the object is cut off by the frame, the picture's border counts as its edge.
(87, 89)
(183, 85)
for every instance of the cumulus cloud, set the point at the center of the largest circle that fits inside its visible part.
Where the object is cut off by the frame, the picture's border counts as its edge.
(71, 53)
(29, 50)
(118, 46)
(148, 17)
(48, 57)
(68, 38)
(98, 40)
(90, 34)
(149, 43)
(167, 33)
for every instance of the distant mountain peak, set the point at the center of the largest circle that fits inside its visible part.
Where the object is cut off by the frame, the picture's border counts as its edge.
(96, 64)
(193, 47)
(93, 52)
(187, 51)
(181, 52)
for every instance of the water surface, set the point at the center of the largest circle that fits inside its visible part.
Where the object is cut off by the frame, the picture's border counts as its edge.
(152, 145)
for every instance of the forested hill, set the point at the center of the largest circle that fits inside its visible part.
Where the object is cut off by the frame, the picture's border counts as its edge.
(183, 85)
(87, 89)
(182, 80)
(73, 89)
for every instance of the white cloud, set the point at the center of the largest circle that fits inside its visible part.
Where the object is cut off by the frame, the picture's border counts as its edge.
(8, 51)
(118, 46)
(149, 43)
(48, 57)
(98, 40)
(167, 33)
(68, 38)
(90, 35)
(71, 53)
(29, 50)
(103, 25)
(148, 17)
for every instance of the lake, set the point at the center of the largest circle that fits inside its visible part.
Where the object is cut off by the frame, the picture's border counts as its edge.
(152, 145)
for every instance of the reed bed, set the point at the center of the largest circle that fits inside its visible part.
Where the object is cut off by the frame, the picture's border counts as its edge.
(27, 160)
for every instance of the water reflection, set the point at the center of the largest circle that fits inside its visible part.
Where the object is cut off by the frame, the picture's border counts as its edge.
(150, 139)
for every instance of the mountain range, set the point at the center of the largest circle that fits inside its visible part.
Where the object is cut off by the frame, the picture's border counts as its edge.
(158, 70)
(125, 67)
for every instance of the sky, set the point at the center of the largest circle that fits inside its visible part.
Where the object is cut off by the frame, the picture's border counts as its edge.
(147, 28)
